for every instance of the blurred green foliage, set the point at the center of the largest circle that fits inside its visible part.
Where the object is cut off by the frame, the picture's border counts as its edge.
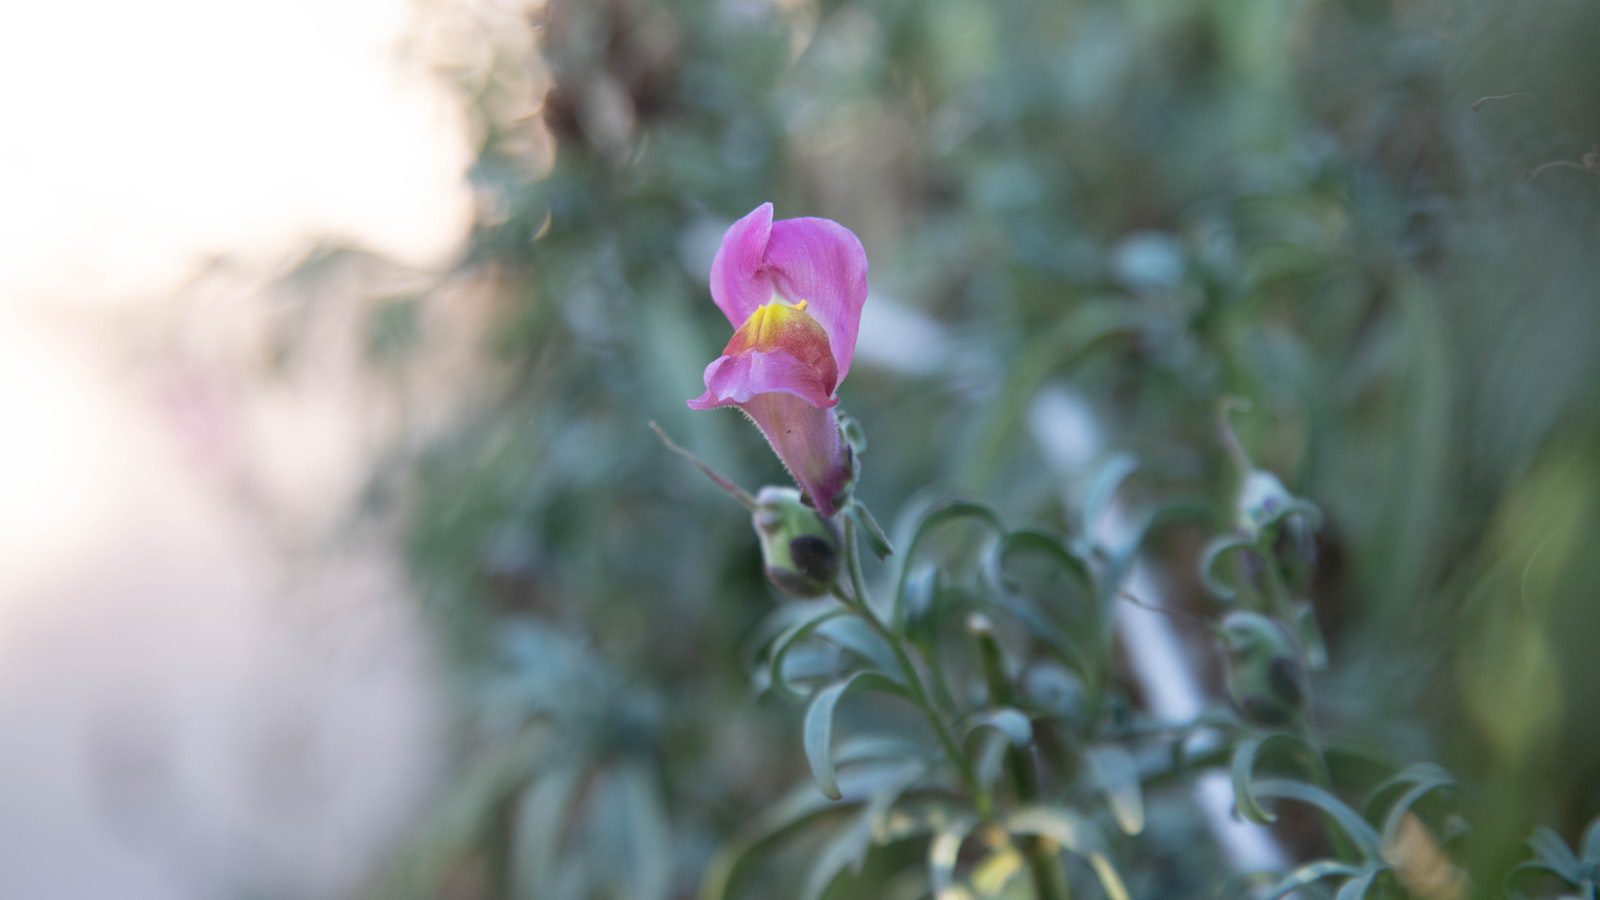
(1152, 205)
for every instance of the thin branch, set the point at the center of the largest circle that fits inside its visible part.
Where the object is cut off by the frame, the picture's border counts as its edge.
(1558, 164)
(1483, 101)
(1230, 440)
(1182, 615)
(732, 490)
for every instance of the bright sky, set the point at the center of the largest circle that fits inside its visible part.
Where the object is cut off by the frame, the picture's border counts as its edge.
(138, 139)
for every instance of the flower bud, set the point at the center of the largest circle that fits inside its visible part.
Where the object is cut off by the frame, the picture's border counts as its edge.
(1263, 502)
(1262, 498)
(799, 548)
(1265, 676)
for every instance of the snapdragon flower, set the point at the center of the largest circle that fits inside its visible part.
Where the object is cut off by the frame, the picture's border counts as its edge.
(793, 290)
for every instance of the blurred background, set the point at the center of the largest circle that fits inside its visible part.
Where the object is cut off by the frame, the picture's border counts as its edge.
(336, 559)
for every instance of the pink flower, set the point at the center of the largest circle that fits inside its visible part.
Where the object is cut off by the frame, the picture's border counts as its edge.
(793, 289)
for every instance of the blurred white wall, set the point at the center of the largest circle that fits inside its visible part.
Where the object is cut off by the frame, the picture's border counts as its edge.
(136, 139)
(212, 682)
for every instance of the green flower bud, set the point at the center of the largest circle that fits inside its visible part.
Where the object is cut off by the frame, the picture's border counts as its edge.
(1265, 676)
(1263, 502)
(799, 548)
(1262, 499)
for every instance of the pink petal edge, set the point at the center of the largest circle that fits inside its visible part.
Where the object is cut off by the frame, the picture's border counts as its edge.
(738, 279)
(823, 263)
(736, 380)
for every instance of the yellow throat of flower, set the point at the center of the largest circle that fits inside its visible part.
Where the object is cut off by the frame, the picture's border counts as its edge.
(778, 324)
(789, 329)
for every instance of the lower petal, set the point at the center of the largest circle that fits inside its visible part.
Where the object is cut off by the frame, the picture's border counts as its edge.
(740, 378)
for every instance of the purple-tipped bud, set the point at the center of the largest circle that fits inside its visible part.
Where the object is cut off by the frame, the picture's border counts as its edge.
(1265, 675)
(799, 548)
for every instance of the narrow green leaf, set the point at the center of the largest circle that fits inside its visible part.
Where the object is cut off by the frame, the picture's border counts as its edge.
(854, 634)
(1118, 774)
(797, 809)
(848, 848)
(1521, 869)
(1349, 821)
(943, 852)
(1012, 724)
(818, 733)
(1421, 779)
(1356, 888)
(1074, 834)
(1243, 769)
(782, 618)
(1218, 548)
(925, 818)
(1305, 621)
(1309, 874)
(1102, 488)
(1591, 842)
(800, 808)
(1052, 637)
(1553, 852)
(1296, 506)
(939, 515)
(876, 539)
(850, 843)
(880, 749)
(1120, 559)
(541, 811)
(627, 799)
(794, 635)
(1040, 541)
(997, 869)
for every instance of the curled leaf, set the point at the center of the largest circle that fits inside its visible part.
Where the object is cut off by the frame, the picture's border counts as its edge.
(1591, 842)
(1349, 821)
(1118, 775)
(940, 514)
(1074, 834)
(1219, 548)
(1037, 541)
(1357, 887)
(1419, 780)
(1243, 769)
(1010, 723)
(1103, 488)
(1311, 873)
(848, 848)
(876, 539)
(1552, 852)
(943, 851)
(818, 734)
(789, 639)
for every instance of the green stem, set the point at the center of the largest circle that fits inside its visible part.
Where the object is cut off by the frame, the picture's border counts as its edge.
(862, 603)
(1049, 882)
(1278, 594)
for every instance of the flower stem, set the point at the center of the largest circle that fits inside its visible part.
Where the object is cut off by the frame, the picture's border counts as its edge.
(862, 603)
(1048, 878)
(1281, 599)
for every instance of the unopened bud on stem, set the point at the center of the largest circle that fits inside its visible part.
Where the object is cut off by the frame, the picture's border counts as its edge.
(1265, 673)
(799, 548)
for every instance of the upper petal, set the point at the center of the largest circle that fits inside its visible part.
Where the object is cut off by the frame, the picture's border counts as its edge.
(822, 262)
(739, 281)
